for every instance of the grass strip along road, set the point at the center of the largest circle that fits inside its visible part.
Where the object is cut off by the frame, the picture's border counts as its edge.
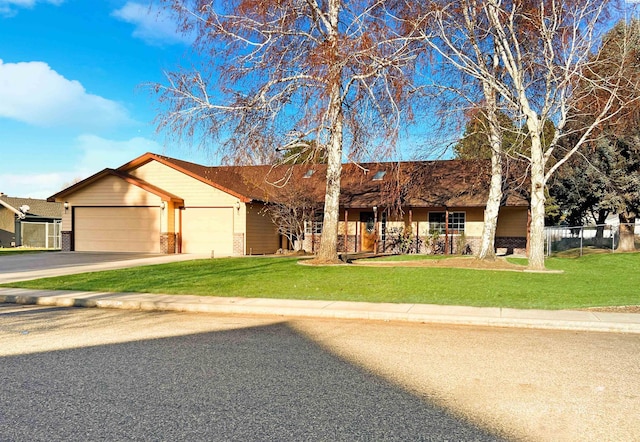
(590, 281)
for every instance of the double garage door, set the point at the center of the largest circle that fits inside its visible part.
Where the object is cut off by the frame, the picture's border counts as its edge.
(137, 229)
(117, 229)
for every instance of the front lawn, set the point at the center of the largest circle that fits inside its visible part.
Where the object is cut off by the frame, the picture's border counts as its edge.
(595, 280)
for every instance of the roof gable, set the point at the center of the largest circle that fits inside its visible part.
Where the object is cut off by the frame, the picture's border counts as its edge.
(196, 171)
(122, 175)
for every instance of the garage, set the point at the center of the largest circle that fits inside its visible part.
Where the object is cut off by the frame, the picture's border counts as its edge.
(117, 229)
(207, 230)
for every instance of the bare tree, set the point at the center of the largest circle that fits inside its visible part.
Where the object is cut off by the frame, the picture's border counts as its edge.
(292, 210)
(325, 74)
(460, 42)
(544, 49)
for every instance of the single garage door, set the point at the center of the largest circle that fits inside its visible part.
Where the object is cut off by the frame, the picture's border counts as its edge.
(206, 230)
(117, 229)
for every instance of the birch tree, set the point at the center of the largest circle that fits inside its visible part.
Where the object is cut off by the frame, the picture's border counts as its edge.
(544, 49)
(324, 74)
(459, 38)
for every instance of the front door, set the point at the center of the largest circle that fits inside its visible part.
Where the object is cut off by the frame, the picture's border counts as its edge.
(368, 229)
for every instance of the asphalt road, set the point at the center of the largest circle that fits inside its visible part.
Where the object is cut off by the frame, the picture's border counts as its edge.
(85, 374)
(262, 381)
(24, 266)
(51, 260)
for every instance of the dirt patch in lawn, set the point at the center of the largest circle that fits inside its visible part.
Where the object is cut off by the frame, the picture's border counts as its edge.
(454, 263)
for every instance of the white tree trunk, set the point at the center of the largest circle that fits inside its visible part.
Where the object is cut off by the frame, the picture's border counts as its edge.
(328, 251)
(627, 236)
(536, 234)
(487, 245)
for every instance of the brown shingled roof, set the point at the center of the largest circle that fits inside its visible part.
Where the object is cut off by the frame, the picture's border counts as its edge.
(449, 183)
(37, 207)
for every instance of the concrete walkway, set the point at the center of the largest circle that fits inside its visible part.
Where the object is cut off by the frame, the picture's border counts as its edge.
(419, 313)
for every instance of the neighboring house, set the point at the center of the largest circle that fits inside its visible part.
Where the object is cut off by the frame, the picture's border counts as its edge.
(158, 204)
(29, 222)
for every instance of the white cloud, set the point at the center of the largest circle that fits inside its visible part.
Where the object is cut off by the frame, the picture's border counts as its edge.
(34, 93)
(9, 8)
(93, 154)
(152, 25)
(39, 185)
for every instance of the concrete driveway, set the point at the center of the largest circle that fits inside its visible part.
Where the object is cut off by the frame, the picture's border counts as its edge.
(22, 267)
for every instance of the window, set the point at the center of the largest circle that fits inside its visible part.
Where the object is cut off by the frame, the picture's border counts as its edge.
(379, 175)
(437, 222)
(314, 227)
(309, 173)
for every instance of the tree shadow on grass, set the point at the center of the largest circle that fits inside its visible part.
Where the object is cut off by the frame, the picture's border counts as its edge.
(258, 383)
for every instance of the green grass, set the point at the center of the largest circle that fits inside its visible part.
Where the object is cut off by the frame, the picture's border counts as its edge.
(594, 280)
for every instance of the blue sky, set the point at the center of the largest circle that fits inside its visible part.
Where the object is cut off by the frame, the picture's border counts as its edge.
(72, 95)
(72, 100)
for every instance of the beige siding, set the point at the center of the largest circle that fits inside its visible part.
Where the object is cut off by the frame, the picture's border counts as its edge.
(122, 229)
(512, 222)
(262, 235)
(193, 191)
(108, 192)
(196, 195)
(353, 218)
(7, 220)
(420, 220)
(474, 221)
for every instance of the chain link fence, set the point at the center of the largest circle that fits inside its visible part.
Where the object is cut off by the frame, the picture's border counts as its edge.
(600, 236)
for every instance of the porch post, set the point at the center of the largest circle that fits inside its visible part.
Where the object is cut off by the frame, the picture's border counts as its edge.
(313, 231)
(375, 229)
(411, 218)
(446, 231)
(346, 230)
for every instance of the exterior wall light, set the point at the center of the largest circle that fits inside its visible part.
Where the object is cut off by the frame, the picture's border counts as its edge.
(237, 205)
(66, 205)
(163, 205)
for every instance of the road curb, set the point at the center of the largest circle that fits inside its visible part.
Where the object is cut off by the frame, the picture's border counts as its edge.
(415, 313)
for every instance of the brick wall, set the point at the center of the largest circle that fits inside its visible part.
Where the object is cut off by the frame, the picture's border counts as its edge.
(67, 240)
(238, 243)
(511, 245)
(167, 243)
